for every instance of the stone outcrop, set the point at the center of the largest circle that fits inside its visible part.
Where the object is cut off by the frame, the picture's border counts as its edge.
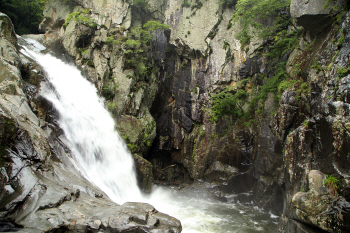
(315, 15)
(40, 189)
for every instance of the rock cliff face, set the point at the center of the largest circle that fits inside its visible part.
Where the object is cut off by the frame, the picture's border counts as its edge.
(40, 190)
(279, 160)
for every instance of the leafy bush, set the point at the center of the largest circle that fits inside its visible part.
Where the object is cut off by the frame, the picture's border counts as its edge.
(228, 102)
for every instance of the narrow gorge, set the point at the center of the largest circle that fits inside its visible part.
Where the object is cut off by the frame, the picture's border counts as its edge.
(240, 106)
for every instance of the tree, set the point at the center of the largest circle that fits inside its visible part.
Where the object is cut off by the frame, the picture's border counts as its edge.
(26, 15)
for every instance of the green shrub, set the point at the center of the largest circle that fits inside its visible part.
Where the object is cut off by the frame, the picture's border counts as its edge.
(228, 102)
(82, 17)
(108, 91)
(333, 184)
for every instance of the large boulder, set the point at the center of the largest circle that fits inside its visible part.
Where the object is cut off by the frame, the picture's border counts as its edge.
(319, 208)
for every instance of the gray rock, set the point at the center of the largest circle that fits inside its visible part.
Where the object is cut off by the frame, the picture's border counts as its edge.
(144, 170)
(312, 15)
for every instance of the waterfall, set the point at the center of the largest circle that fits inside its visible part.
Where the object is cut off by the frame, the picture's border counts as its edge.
(99, 152)
(103, 158)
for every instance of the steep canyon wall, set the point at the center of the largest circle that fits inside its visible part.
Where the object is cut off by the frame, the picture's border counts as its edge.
(278, 157)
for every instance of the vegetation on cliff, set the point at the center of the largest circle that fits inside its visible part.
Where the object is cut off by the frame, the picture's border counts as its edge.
(255, 15)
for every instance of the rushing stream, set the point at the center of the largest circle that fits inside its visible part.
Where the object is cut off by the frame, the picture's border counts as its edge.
(103, 158)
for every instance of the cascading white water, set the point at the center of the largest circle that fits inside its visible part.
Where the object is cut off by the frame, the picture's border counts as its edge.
(99, 152)
(102, 156)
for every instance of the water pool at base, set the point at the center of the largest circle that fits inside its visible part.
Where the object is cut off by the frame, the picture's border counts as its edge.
(198, 213)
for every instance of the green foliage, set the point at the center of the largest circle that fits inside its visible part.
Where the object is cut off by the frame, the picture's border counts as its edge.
(228, 102)
(198, 5)
(82, 16)
(154, 25)
(341, 39)
(137, 44)
(112, 41)
(194, 148)
(186, 4)
(90, 63)
(342, 71)
(146, 140)
(112, 108)
(328, 2)
(83, 51)
(25, 15)
(141, 4)
(333, 184)
(251, 13)
(131, 146)
(108, 91)
(283, 43)
(271, 84)
(229, 25)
